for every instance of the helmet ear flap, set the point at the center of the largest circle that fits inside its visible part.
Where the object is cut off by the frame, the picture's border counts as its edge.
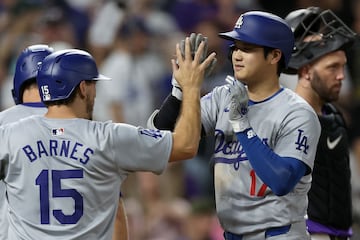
(231, 50)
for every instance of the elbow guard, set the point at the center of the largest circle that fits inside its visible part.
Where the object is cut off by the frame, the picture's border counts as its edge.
(166, 117)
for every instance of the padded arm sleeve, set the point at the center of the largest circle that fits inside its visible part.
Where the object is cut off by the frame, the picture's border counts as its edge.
(165, 119)
(281, 174)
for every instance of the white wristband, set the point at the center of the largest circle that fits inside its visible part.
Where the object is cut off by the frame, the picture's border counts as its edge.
(240, 125)
(176, 92)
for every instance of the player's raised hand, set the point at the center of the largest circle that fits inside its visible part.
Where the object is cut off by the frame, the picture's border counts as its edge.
(238, 107)
(189, 70)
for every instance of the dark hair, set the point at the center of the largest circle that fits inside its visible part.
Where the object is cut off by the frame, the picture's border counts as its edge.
(133, 25)
(26, 85)
(67, 101)
(281, 63)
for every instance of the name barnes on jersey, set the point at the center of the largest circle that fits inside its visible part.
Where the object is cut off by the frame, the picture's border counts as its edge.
(58, 147)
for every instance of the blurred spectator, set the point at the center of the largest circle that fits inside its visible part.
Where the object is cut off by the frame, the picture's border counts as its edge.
(103, 29)
(134, 69)
(78, 16)
(37, 25)
(188, 13)
(16, 22)
(282, 7)
(151, 215)
(198, 172)
(228, 11)
(56, 30)
(158, 21)
(164, 34)
(202, 223)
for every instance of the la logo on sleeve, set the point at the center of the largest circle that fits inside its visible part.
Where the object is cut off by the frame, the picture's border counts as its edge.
(301, 142)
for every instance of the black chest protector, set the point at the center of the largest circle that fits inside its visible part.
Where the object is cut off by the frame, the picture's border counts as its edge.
(330, 193)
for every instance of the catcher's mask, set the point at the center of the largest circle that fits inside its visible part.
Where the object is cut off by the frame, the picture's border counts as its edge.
(317, 32)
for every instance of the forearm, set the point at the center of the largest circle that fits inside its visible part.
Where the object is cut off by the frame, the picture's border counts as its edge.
(281, 174)
(121, 224)
(186, 134)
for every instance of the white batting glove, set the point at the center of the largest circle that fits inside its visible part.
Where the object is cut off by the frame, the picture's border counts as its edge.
(238, 105)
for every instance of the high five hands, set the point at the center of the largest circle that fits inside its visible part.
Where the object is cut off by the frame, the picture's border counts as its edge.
(195, 40)
(191, 63)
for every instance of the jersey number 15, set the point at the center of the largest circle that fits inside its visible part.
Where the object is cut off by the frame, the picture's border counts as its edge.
(57, 192)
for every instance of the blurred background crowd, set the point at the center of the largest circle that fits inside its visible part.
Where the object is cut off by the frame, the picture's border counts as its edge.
(133, 42)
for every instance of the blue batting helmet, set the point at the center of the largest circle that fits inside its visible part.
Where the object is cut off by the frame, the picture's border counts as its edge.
(62, 71)
(26, 68)
(263, 29)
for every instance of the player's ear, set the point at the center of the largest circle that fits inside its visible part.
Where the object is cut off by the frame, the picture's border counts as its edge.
(304, 72)
(275, 56)
(82, 89)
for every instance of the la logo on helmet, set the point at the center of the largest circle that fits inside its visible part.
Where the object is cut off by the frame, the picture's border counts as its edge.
(239, 22)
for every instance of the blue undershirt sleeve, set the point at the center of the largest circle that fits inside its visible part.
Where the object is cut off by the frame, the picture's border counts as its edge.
(281, 174)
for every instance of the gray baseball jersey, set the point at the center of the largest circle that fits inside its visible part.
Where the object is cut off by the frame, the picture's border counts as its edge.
(290, 127)
(10, 115)
(63, 176)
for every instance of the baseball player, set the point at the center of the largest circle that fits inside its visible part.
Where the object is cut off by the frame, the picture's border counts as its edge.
(61, 169)
(265, 135)
(319, 60)
(27, 102)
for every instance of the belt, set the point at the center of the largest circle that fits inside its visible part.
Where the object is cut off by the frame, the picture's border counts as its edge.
(337, 238)
(275, 231)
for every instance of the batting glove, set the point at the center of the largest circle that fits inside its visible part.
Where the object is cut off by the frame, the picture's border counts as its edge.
(238, 105)
(195, 40)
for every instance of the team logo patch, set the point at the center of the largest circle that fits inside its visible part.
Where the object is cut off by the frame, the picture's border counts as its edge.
(301, 142)
(57, 131)
(151, 132)
(239, 22)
